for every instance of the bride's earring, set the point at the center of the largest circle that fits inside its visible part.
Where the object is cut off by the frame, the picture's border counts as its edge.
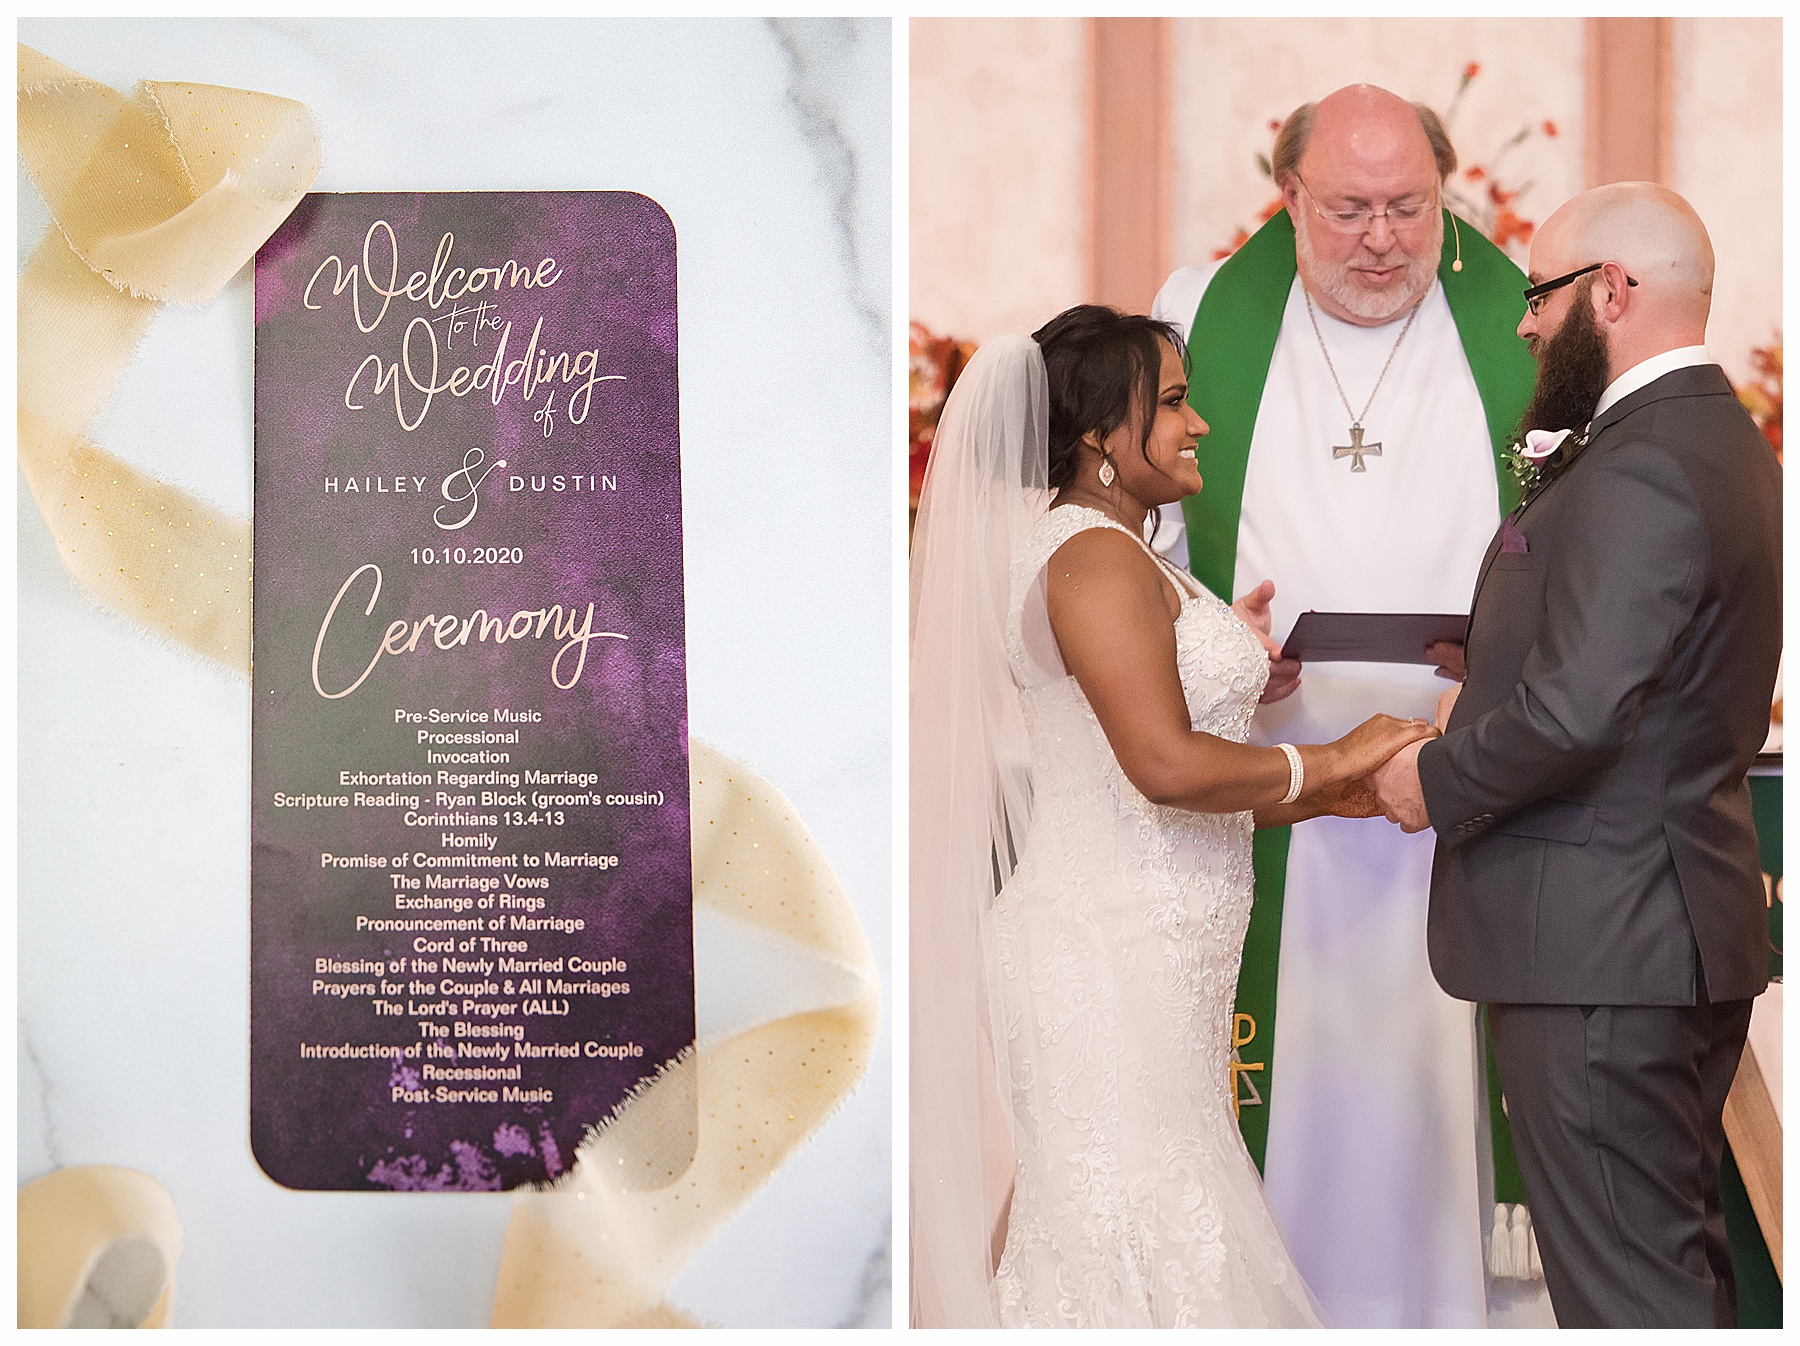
(1106, 472)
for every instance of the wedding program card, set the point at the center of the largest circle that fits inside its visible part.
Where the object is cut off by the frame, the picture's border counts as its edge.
(471, 899)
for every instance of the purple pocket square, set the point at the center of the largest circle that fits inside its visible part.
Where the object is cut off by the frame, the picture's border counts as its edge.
(1512, 541)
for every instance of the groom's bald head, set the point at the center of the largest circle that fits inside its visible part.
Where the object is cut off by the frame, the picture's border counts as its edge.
(1654, 290)
(1649, 230)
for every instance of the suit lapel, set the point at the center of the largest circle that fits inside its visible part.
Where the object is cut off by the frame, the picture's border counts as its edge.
(1487, 563)
(1691, 381)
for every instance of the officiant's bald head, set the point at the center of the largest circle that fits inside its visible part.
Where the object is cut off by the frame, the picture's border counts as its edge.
(1359, 122)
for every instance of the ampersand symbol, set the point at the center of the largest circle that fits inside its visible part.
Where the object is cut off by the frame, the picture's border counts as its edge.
(467, 490)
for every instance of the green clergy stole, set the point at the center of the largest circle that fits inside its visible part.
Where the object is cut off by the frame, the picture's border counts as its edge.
(1229, 352)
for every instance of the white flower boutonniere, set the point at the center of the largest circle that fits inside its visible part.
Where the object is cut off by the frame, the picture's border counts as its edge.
(1537, 457)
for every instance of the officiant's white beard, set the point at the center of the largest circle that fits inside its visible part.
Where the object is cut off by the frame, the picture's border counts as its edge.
(1333, 281)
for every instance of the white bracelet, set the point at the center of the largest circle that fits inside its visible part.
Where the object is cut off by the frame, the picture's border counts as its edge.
(1296, 772)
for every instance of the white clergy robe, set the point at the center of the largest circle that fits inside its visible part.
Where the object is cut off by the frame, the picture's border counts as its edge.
(1377, 1158)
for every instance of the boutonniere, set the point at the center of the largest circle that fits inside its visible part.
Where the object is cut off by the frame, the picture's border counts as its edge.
(1539, 455)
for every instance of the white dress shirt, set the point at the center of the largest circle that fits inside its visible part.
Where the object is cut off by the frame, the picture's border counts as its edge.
(1646, 372)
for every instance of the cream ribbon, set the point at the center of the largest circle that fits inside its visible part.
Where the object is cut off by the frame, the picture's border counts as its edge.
(160, 197)
(97, 1248)
(164, 197)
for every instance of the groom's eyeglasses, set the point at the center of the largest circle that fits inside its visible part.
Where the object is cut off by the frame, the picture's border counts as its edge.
(1535, 296)
(1361, 219)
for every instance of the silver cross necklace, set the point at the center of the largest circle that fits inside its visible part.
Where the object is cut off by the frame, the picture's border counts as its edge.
(1355, 449)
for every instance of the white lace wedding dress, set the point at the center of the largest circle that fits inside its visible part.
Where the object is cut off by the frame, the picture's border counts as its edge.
(1113, 953)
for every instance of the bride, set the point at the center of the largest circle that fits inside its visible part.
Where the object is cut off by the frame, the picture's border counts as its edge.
(1081, 810)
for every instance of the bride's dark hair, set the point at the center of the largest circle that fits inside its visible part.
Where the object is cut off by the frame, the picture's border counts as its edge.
(1098, 362)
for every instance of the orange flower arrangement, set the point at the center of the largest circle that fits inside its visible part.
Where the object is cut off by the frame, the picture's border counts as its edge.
(933, 363)
(1508, 228)
(1762, 397)
(1493, 209)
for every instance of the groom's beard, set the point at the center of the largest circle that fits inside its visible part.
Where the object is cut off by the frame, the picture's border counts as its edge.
(1571, 372)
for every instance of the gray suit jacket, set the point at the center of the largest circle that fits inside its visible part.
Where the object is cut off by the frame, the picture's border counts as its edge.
(1593, 820)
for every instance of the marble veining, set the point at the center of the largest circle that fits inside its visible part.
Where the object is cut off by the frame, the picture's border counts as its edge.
(872, 1295)
(35, 1099)
(818, 51)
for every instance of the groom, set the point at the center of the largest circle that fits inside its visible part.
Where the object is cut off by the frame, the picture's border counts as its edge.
(1596, 879)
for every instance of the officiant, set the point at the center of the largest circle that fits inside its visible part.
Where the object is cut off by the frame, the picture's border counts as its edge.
(1357, 362)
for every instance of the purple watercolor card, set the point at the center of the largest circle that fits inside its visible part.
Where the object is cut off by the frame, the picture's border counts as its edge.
(471, 898)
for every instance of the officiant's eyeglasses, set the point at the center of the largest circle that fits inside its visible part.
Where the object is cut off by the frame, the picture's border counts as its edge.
(1535, 296)
(1362, 219)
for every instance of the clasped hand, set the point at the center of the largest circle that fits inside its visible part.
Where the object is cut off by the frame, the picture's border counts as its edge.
(1362, 754)
(1396, 781)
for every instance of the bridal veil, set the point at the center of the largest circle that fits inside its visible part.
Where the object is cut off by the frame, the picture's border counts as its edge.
(986, 487)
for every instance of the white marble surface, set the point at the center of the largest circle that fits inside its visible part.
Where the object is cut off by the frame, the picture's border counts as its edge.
(768, 144)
